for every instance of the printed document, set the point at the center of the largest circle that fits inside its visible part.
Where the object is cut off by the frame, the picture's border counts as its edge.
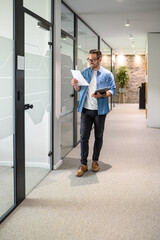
(81, 81)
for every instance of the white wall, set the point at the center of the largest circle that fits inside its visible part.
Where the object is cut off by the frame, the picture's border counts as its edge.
(154, 80)
(57, 84)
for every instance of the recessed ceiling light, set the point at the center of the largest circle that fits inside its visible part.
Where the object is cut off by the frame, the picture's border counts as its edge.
(133, 44)
(127, 24)
(130, 36)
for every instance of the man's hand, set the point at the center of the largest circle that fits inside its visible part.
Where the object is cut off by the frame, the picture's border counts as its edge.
(98, 95)
(74, 83)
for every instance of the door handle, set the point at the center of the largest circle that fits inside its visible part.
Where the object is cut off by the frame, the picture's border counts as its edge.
(72, 95)
(27, 106)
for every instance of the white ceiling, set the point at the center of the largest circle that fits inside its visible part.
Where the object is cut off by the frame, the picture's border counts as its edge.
(107, 18)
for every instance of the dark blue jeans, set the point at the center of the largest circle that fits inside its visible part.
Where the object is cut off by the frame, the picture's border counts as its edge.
(88, 118)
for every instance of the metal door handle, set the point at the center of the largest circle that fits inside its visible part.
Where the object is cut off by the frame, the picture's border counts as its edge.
(27, 106)
(72, 95)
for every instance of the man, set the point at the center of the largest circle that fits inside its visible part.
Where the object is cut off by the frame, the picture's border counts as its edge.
(93, 107)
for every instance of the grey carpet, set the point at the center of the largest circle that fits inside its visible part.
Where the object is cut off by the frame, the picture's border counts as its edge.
(120, 202)
(33, 176)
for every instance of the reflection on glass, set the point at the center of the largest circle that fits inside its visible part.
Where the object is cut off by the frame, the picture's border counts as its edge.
(37, 93)
(67, 20)
(106, 53)
(87, 40)
(106, 62)
(67, 100)
(40, 7)
(6, 107)
(113, 71)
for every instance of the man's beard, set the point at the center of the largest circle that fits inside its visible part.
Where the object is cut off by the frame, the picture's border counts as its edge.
(93, 67)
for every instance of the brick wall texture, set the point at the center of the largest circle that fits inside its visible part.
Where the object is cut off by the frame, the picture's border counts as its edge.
(136, 66)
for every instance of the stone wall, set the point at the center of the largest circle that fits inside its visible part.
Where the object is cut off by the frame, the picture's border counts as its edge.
(136, 66)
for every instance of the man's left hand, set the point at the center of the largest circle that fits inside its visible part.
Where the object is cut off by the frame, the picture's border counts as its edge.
(98, 95)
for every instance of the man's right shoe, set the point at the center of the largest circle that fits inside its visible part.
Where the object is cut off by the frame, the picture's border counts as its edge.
(82, 169)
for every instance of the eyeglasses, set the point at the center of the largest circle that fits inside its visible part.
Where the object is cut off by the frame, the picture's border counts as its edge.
(92, 60)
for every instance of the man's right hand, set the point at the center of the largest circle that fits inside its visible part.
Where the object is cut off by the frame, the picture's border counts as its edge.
(74, 83)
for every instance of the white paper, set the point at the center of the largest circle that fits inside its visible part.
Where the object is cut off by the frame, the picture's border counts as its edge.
(81, 81)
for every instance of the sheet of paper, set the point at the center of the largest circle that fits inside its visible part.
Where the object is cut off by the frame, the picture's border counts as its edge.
(81, 81)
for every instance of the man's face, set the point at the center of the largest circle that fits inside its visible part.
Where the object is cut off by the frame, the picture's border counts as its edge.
(93, 61)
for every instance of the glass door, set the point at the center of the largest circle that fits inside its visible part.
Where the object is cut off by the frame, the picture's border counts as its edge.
(38, 88)
(7, 113)
(67, 95)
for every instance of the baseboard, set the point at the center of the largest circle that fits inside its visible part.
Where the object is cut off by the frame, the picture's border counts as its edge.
(28, 164)
(6, 163)
(153, 126)
(57, 165)
(38, 164)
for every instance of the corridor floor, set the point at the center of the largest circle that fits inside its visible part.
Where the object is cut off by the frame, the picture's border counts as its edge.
(120, 202)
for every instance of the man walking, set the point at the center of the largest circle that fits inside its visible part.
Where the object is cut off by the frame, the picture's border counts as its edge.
(93, 107)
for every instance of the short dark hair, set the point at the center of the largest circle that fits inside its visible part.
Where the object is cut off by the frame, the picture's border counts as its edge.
(96, 51)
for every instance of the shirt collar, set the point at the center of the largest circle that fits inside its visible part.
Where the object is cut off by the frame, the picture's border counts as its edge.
(99, 70)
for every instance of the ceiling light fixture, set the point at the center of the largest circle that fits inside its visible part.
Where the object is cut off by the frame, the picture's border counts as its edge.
(127, 24)
(133, 44)
(130, 36)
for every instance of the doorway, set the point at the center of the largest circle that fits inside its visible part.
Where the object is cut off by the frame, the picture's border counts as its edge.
(38, 98)
(67, 99)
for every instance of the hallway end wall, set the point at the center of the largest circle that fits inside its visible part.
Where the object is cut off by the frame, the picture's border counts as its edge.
(136, 66)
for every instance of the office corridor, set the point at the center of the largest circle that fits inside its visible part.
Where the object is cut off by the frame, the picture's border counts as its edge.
(120, 202)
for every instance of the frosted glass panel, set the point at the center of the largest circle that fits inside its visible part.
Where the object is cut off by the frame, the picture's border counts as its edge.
(67, 65)
(67, 91)
(6, 19)
(6, 106)
(106, 53)
(87, 40)
(37, 93)
(67, 20)
(6, 87)
(40, 7)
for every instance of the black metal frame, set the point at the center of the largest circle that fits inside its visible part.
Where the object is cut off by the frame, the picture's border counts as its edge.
(75, 56)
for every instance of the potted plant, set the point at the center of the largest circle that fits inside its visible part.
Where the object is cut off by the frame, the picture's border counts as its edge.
(122, 76)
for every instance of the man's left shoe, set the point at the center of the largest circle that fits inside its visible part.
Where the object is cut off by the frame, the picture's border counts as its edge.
(95, 166)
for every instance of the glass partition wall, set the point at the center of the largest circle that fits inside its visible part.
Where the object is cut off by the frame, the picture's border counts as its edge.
(86, 41)
(107, 56)
(67, 100)
(106, 61)
(25, 91)
(7, 115)
(67, 91)
(38, 92)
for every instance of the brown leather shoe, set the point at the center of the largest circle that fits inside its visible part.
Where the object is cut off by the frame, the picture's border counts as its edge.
(82, 169)
(95, 166)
